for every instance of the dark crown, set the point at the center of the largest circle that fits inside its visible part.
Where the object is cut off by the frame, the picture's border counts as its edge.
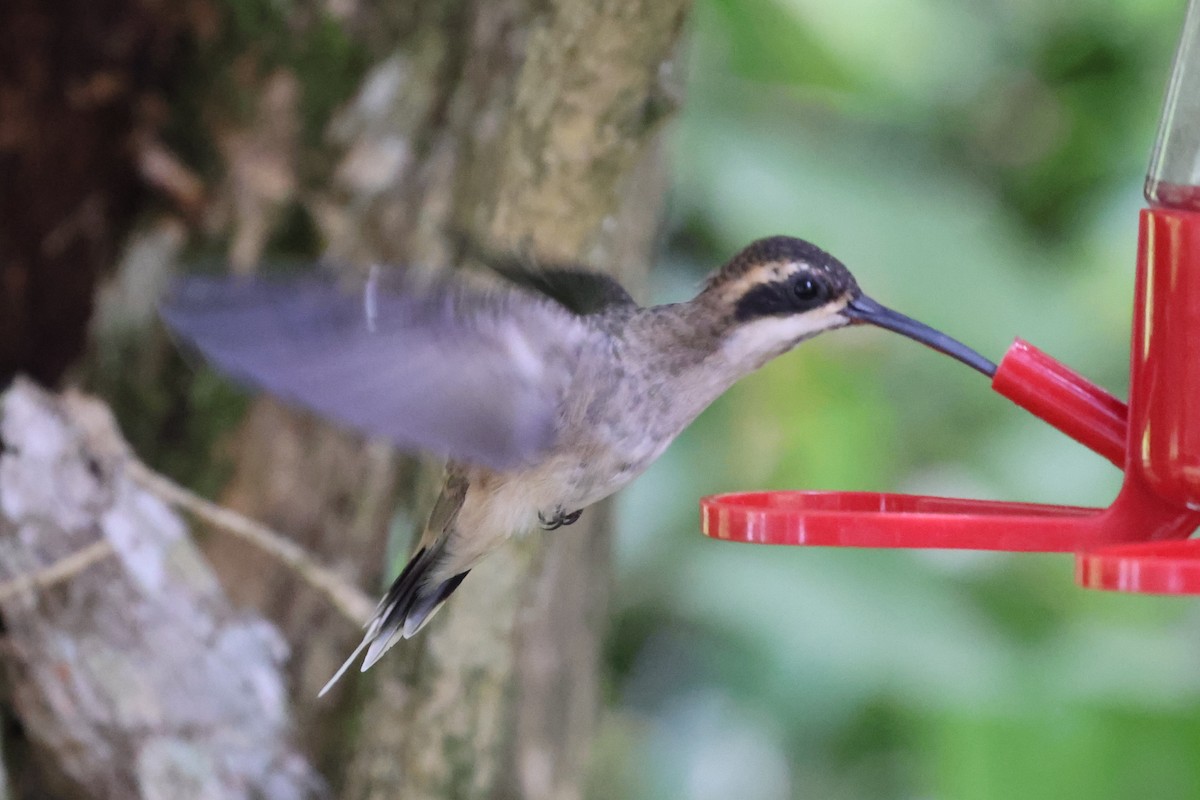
(784, 249)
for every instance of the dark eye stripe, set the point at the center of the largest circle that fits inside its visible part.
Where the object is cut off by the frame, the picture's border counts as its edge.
(779, 298)
(765, 300)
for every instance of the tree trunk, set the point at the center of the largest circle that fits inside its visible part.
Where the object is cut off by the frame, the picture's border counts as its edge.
(376, 133)
(79, 80)
(529, 127)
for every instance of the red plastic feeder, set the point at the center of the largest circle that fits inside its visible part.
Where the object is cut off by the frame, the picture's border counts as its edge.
(1139, 543)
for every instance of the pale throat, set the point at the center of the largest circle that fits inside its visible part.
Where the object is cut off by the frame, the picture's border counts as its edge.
(757, 341)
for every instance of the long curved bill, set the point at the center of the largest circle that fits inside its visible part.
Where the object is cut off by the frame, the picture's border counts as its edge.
(862, 310)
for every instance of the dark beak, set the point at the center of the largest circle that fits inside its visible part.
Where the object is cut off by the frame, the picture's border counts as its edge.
(864, 310)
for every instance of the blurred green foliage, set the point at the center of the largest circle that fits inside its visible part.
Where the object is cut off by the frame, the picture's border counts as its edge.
(979, 166)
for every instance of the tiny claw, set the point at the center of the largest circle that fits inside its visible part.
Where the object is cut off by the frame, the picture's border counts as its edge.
(559, 519)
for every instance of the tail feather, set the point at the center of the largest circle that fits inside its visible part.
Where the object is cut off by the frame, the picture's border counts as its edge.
(424, 609)
(408, 605)
(406, 623)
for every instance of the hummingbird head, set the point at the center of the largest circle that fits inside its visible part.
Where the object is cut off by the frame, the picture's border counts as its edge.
(784, 290)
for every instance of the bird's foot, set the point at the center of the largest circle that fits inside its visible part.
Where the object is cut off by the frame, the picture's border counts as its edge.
(559, 519)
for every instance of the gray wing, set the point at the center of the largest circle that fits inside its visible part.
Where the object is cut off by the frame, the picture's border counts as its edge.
(459, 371)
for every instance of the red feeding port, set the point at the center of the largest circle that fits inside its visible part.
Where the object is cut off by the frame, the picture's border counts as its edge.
(1139, 543)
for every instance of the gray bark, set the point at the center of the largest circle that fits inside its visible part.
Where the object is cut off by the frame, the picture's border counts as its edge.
(131, 674)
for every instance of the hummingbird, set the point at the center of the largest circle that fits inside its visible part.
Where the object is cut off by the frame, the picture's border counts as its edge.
(547, 389)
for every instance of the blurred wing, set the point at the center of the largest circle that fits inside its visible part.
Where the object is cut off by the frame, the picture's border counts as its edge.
(462, 372)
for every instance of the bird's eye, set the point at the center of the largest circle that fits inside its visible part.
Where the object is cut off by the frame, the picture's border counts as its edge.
(807, 289)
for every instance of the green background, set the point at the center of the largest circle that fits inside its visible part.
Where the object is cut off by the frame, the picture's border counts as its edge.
(978, 166)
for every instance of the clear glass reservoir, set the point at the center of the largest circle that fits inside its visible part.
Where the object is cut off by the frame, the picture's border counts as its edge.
(1174, 177)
